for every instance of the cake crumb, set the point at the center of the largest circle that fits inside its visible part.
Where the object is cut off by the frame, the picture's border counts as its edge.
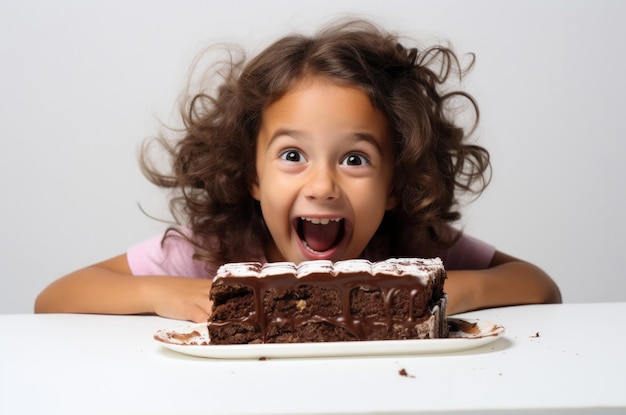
(536, 336)
(403, 372)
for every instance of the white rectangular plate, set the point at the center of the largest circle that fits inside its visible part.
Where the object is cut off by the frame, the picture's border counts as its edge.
(193, 339)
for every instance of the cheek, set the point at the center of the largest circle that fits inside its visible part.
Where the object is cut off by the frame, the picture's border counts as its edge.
(274, 204)
(369, 209)
(372, 197)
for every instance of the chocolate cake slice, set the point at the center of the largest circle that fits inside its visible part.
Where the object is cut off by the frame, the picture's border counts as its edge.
(321, 301)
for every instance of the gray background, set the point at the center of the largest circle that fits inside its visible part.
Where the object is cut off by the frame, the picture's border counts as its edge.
(82, 84)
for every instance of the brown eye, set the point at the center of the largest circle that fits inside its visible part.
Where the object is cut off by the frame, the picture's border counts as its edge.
(293, 156)
(355, 160)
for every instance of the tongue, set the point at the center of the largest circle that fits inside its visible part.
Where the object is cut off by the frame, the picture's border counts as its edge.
(320, 237)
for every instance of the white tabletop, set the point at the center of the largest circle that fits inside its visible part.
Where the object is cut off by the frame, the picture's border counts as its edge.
(564, 358)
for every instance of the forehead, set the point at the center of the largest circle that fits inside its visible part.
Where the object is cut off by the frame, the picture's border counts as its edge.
(323, 84)
(326, 103)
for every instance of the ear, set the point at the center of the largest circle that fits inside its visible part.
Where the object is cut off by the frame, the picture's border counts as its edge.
(255, 191)
(392, 201)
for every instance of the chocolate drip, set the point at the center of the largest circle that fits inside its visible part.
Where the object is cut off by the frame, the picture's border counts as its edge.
(359, 305)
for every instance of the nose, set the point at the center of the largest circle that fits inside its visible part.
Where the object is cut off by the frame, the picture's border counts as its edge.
(322, 184)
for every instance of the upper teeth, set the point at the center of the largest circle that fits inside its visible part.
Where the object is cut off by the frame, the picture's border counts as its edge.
(320, 221)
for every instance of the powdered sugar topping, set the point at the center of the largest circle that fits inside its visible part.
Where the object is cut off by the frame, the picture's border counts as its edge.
(418, 267)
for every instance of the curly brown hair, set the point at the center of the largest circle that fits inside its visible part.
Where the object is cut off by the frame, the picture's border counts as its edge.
(213, 164)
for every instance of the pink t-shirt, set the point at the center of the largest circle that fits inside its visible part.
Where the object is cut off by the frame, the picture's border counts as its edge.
(175, 257)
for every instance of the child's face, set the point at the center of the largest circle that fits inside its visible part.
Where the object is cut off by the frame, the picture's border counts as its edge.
(324, 170)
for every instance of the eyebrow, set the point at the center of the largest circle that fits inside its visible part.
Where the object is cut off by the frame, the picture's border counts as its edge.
(297, 134)
(286, 131)
(369, 139)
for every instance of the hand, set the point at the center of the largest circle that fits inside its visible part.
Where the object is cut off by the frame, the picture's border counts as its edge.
(179, 298)
(507, 282)
(460, 290)
(110, 288)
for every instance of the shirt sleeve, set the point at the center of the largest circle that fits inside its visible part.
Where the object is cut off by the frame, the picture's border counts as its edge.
(468, 253)
(172, 257)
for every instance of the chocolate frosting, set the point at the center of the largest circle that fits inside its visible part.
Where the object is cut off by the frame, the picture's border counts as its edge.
(419, 279)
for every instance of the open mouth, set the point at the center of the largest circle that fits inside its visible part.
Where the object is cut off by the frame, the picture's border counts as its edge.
(320, 234)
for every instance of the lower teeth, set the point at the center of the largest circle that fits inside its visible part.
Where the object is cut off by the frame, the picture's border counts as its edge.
(308, 248)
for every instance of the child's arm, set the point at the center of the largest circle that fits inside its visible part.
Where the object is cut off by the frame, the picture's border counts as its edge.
(508, 281)
(110, 288)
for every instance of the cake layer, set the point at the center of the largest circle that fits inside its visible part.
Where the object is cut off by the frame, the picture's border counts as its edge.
(319, 301)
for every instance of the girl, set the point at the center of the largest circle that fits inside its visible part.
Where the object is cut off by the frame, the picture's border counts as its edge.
(336, 146)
